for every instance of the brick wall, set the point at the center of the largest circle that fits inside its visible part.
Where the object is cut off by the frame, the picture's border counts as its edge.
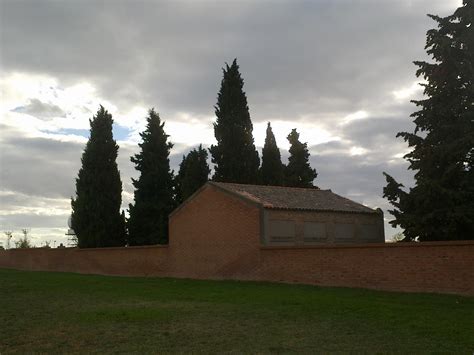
(444, 267)
(217, 236)
(131, 261)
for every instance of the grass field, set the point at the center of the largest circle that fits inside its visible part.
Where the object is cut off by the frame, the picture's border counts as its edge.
(70, 313)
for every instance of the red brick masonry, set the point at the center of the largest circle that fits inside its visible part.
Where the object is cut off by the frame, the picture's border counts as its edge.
(444, 267)
(217, 236)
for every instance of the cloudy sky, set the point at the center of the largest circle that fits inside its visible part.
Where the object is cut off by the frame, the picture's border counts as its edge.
(339, 71)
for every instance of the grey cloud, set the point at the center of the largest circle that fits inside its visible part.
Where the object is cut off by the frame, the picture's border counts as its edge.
(40, 109)
(378, 135)
(42, 167)
(364, 171)
(40, 173)
(18, 221)
(18, 202)
(38, 166)
(296, 57)
(329, 148)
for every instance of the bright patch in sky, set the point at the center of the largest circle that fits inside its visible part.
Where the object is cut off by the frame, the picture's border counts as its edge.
(407, 92)
(358, 151)
(359, 115)
(190, 133)
(71, 131)
(32, 104)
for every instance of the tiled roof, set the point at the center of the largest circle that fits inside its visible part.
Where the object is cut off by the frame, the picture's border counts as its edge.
(294, 198)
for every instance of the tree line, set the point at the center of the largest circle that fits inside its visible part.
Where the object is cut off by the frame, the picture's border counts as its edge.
(96, 216)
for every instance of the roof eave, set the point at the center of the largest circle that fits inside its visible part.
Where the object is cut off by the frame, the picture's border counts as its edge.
(317, 210)
(236, 194)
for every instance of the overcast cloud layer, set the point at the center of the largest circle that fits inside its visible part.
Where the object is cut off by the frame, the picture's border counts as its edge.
(340, 72)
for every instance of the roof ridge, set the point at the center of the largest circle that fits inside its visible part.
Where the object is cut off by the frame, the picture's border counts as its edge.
(315, 188)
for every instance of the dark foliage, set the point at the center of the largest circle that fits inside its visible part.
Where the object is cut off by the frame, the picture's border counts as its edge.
(272, 169)
(193, 173)
(441, 204)
(298, 172)
(96, 216)
(148, 221)
(235, 157)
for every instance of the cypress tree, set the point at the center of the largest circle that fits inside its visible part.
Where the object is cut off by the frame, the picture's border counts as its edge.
(441, 204)
(271, 171)
(148, 220)
(193, 173)
(298, 173)
(235, 157)
(96, 217)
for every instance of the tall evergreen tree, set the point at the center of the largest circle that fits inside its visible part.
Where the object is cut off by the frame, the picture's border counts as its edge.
(148, 221)
(272, 169)
(96, 217)
(193, 173)
(298, 172)
(235, 157)
(441, 204)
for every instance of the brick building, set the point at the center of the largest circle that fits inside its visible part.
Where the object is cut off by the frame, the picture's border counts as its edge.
(278, 215)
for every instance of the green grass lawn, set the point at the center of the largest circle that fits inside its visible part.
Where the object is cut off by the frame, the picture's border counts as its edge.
(70, 313)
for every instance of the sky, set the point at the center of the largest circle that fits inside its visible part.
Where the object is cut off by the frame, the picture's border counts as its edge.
(341, 72)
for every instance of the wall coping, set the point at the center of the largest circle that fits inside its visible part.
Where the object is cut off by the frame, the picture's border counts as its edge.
(155, 246)
(274, 247)
(369, 245)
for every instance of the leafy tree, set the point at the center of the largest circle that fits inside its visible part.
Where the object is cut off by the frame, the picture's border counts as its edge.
(235, 157)
(272, 169)
(24, 243)
(96, 217)
(148, 221)
(397, 237)
(46, 245)
(193, 173)
(441, 204)
(298, 172)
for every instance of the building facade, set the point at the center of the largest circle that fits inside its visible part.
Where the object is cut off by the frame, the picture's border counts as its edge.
(272, 216)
